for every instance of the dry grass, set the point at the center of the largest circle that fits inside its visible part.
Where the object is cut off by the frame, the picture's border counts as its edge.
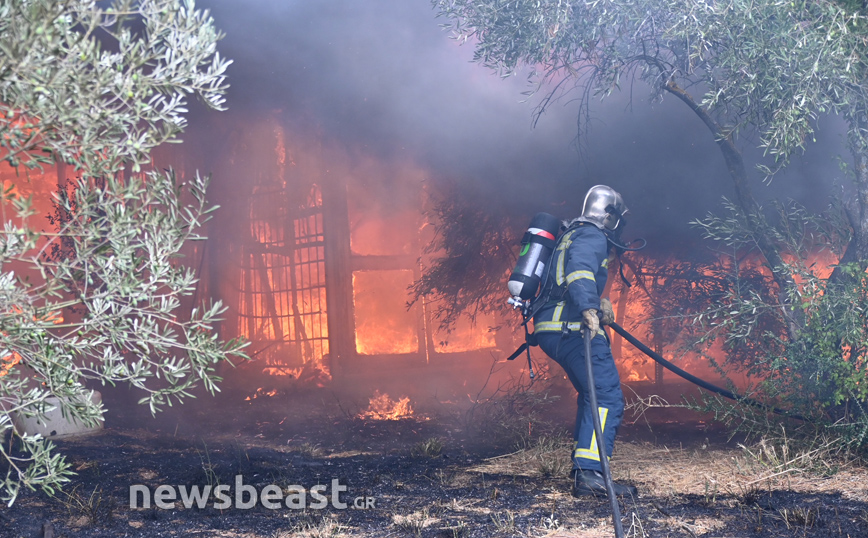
(414, 523)
(547, 457)
(315, 527)
(661, 470)
(735, 476)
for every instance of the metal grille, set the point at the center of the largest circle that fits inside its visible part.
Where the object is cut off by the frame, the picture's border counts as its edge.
(282, 306)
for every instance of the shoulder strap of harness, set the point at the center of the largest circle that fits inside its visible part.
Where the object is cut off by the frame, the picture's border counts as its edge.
(556, 291)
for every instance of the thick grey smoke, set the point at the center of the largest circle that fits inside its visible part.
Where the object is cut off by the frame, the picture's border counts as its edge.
(380, 76)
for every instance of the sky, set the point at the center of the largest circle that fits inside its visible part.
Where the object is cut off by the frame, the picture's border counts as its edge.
(382, 77)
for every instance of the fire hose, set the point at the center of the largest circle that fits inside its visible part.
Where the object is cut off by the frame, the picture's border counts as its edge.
(601, 443)
(695, 380)
(598, 428)
(530, 341)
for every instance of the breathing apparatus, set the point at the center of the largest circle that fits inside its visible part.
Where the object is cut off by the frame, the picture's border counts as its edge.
(603, 208)
(537, 247)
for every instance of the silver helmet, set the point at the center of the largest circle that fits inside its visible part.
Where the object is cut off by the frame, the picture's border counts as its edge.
(603, 208)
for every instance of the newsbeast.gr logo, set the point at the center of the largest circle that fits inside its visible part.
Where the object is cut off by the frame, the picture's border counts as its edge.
(245, 496)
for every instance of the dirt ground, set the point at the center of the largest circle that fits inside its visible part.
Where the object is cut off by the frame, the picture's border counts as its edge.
(446, 471)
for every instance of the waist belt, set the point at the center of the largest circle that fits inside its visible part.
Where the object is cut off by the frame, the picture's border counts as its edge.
(561, 326)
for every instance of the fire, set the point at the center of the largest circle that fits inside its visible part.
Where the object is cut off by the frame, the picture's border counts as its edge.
(631, 305)
(383, 407)
(466, 336)
(261, 393)
(287, 372)
(281, 292)
(8, 362)
(383, 325)
(319, 214)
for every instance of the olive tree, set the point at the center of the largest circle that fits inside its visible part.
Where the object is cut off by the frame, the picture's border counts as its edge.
(96, 86)
(767, 67)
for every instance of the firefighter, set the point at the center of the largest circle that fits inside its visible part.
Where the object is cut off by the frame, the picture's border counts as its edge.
(576, 280)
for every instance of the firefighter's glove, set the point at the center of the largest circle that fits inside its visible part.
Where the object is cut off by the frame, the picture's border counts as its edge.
(607, 315)
(591, 321)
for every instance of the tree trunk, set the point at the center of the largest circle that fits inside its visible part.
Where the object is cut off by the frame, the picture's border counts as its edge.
(756, 221)
(856, 207)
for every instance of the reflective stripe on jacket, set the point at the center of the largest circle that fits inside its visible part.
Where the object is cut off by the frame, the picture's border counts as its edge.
(581, 260)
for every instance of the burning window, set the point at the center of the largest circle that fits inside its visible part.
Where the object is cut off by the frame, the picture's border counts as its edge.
(383, 324)
(282, 305)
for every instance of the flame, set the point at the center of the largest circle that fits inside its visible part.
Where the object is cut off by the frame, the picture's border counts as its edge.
(288, 372)
(261, 393)
(383, 407)
(466, 335)
(282, 304)
(8, 362)
(284, 312)
(383, 325)
(635, 366)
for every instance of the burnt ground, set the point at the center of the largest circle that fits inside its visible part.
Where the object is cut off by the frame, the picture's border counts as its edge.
(448, 471)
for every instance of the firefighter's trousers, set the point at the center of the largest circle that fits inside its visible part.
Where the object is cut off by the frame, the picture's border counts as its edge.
(569, 351)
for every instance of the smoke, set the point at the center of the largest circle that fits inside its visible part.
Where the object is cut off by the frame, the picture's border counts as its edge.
(380, 77)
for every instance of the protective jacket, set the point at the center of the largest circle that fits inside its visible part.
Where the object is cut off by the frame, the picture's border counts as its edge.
(576, 279)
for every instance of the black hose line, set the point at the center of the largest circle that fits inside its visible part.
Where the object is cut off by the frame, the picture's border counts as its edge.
(601, 443)
(695, 380)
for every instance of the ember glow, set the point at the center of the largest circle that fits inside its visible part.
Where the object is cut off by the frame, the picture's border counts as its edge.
(261, 393)
(630, 308)
(274, 266)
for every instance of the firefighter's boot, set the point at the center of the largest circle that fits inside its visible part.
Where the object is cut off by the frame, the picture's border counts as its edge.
(593, 483)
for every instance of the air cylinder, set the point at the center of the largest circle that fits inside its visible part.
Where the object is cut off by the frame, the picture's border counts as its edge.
(536, 249)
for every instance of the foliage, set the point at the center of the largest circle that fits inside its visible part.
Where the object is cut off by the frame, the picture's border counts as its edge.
(820, 374)
(103, 298)
(472, 252)
(771, 67)
(98, 86)
(828, 366)
(773, 64)
(123, 276)
(672, 290)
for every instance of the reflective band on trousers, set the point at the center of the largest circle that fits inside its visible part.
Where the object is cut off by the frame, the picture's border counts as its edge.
(592, 453)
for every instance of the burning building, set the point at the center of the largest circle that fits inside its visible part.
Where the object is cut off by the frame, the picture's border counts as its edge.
(313, 251)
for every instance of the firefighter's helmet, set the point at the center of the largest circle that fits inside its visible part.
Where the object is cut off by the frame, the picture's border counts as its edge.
(604, 208)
